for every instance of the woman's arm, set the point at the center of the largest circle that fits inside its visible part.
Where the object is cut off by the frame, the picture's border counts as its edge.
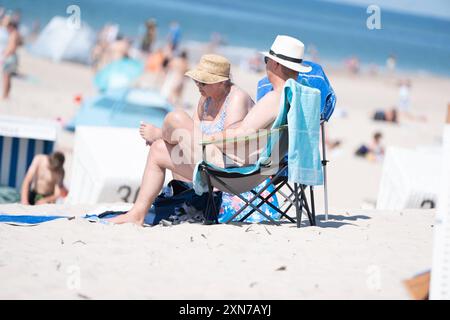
(238, 107)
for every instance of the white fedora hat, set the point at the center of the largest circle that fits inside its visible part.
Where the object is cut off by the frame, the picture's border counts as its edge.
(289, 52)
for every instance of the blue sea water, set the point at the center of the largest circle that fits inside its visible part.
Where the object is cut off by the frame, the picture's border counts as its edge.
(336, 30)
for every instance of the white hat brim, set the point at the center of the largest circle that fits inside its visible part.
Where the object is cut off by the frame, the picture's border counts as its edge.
(288, 64)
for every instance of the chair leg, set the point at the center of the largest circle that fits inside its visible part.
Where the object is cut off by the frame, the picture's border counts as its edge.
(210, 204)
(298, 209)
(313, 207)
(324, 166)
(292, 202)
(281, 212)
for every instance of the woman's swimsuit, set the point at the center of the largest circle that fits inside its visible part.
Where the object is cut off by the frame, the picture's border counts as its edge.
(231, 203)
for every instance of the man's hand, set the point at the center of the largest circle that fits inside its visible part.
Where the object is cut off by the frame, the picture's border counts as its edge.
(41, 201)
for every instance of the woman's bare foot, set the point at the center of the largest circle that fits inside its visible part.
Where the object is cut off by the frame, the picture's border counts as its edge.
(132, 216)
(149, 132)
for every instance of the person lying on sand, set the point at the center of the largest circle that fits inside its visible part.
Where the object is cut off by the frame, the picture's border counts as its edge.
(390, 115)
(177, 149)
(43, 182)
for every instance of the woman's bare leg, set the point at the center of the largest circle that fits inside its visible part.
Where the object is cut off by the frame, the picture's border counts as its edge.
(159, 159)
(6, 85)
(176, 153)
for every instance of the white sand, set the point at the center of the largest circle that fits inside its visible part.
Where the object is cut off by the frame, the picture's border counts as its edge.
(359, 253)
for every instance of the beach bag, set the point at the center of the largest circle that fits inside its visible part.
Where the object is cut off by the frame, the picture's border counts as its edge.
(179, 203)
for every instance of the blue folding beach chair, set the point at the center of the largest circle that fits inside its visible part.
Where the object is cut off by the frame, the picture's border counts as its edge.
(271, 167)
(316, 78)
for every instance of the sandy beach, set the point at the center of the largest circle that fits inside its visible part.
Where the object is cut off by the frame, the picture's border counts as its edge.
(360, 253)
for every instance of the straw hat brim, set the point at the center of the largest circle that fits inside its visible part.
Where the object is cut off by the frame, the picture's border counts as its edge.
(288, 64)
(205, 77)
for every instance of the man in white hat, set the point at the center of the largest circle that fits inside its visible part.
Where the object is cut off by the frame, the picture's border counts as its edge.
(283, 61)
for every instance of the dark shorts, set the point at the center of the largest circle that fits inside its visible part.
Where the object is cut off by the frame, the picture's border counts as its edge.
(34, 197)
(10, 65)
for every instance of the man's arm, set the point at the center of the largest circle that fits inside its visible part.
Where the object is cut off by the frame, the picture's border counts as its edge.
(27, 180)
(261, 116)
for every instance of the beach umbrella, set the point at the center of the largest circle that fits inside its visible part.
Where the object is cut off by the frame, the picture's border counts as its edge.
(122, 108)
(61, 42)
(118, 74)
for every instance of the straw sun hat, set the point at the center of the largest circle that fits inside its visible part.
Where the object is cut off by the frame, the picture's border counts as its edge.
(212, 68)
(289, 52)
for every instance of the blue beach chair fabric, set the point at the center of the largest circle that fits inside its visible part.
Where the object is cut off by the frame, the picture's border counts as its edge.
(20, 140)
(272, 164)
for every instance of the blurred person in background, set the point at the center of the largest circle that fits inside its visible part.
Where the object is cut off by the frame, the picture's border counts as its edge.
(172, 88)
(44, 180)
(149, 36)
(174, 36)
(9, 58)
(374, 151)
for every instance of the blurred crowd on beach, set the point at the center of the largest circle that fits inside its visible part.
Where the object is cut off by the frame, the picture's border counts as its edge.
(166, 58)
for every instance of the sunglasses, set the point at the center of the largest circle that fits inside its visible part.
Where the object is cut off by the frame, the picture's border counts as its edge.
(200, 84)
(266, 60)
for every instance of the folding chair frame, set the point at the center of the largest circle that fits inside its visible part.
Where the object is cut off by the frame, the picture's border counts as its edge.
(300, 200)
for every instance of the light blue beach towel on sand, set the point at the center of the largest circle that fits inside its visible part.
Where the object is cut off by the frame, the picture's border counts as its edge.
(303, 128)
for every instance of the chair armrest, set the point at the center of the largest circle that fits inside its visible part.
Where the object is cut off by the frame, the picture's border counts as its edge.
(246, 138)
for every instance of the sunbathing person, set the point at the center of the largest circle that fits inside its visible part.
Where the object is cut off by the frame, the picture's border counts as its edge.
(222, 104)
(390, 115)
(374, 151)
(178, 149)
(43, 182)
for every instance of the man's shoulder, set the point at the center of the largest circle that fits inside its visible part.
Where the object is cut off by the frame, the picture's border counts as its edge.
(267, 102)
(240, 94)
(39, 158)
(239, 98)
(271, 95)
